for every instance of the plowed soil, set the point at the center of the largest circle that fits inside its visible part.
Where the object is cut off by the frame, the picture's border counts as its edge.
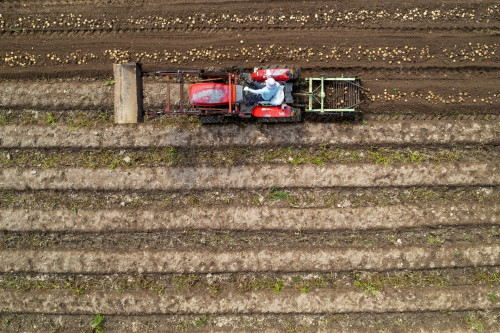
(387, 223)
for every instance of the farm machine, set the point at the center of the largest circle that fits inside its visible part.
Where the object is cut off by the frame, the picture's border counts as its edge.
(218, 95)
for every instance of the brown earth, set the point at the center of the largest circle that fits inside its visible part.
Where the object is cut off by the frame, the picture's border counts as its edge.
(375, 133)
(333, 301)
(252, 177)
(250, 260)
(433, 77)
(449, 322)
(249, 218)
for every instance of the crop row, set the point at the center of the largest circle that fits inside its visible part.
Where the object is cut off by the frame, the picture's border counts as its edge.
(469, 53)
(324, 16)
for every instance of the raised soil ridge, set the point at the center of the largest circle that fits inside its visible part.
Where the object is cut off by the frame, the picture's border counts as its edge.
(250, 218)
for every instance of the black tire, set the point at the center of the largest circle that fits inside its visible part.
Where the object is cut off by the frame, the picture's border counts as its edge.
(210, 120)
(333, 117)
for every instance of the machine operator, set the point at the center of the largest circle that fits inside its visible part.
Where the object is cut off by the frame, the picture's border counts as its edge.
(264, 92)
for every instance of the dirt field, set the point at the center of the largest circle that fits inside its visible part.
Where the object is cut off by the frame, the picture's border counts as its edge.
(390, 223)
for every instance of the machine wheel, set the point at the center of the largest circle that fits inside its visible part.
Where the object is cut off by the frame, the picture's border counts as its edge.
(333, 117)
(207, 120)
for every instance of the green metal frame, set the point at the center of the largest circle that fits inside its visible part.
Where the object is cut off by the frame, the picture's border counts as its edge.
(313, 91)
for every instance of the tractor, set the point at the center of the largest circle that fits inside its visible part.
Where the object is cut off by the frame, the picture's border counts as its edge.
(218, 95)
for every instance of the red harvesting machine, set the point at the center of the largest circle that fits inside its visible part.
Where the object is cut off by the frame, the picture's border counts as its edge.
(218, 95)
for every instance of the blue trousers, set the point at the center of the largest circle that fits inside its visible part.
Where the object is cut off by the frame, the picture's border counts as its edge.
(256, 98)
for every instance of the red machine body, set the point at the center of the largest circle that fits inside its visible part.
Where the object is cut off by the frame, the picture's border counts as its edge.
(279, 111)
(279, 74)
(221, 95)
(207, 94)
(218, 95)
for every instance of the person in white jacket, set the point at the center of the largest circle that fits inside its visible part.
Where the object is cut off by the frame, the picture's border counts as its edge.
(264, 92)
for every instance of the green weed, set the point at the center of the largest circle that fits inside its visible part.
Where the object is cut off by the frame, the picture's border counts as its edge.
(74, 289)
(202, 321)
(194, 200)
(305, 288)
(277, 194)
(109, 82)
(96, 324)
(82, 119)
(485, 277)
(7, 117)
(186, 282)
(475, 323)
(278, 287)
(434, 240)
(181, 325)
(493, 297)
(380, 158)
(171, 154)
(415, 156)
(50, 119)
(369, 286)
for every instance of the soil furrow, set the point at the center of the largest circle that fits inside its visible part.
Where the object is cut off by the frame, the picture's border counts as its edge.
(262, 260)
(249, 218)
(411, 322)
(229, 156)
(244, 283)
(253, 177)
(321, 301)
(248, 28)
(421, 322)
(437, 132)
(237, 240)
(274, 197)
(388, 72)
